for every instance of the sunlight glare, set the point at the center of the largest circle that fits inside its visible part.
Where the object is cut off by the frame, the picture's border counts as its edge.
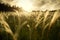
(25, 4)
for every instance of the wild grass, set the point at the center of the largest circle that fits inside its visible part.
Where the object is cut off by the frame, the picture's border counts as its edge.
(36, 25)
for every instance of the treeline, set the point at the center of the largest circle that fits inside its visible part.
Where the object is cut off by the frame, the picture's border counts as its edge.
(7, 7)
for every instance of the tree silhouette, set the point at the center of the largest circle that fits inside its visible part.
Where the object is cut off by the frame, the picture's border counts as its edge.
(6, 7)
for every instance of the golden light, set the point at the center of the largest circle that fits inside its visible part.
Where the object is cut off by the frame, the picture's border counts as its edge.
(25, 4)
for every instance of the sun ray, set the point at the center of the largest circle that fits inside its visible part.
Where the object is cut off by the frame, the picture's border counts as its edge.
(26, 5)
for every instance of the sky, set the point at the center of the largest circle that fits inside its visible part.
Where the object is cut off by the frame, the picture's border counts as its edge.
(35, 4)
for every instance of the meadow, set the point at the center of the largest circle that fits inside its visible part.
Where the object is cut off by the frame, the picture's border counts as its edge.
(35, 25)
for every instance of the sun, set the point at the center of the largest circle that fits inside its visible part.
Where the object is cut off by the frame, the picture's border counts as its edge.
(25, 4)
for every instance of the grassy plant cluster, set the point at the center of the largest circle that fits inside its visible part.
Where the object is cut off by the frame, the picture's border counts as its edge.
(39, 25)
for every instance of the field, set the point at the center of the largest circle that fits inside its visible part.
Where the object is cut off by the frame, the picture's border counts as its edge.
(35, 25)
